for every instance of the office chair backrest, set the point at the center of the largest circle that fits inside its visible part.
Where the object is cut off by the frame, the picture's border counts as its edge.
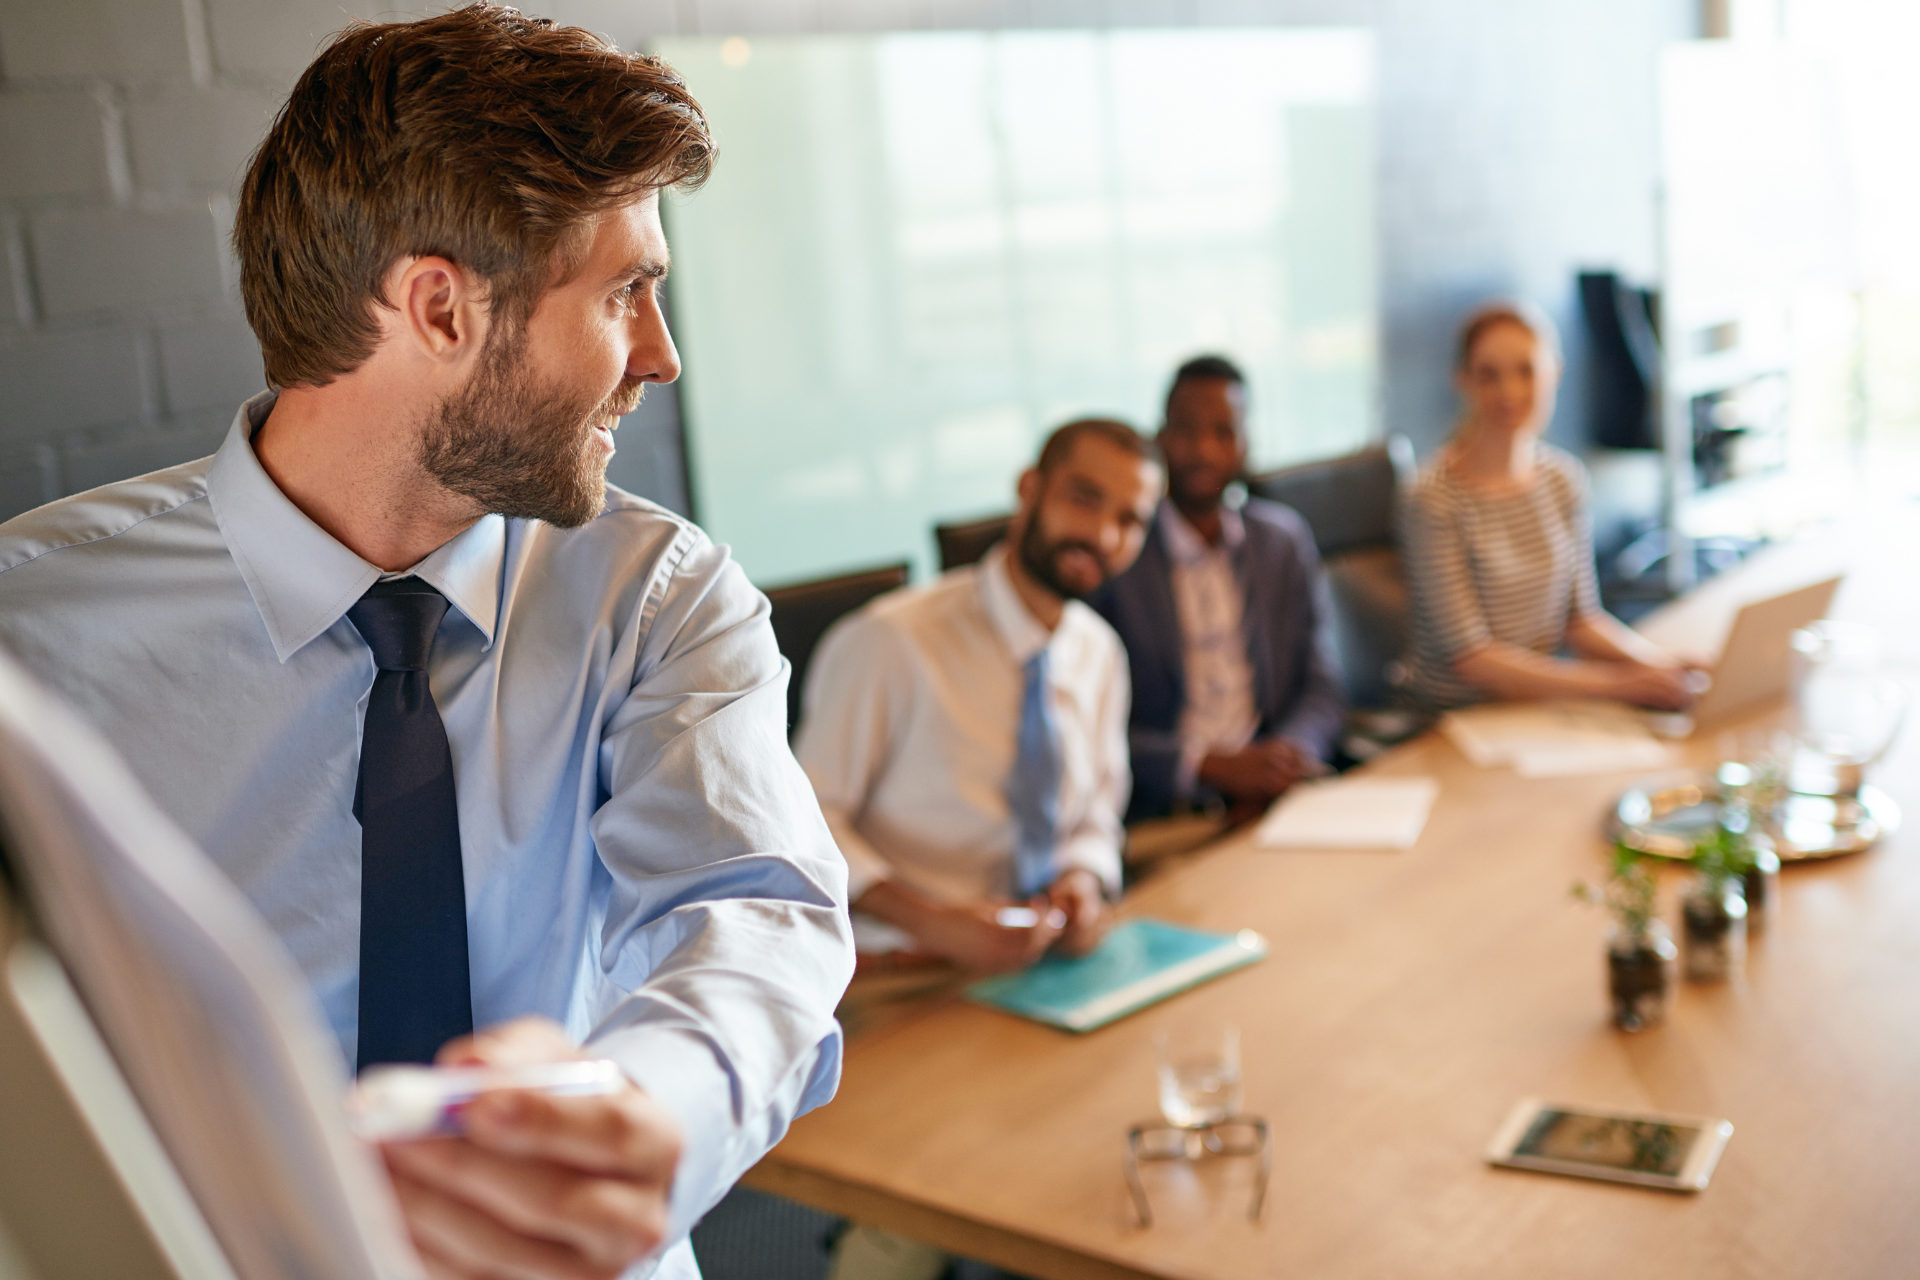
(1347, 501)
(802, 612)
(1350, 504)
(966, 543)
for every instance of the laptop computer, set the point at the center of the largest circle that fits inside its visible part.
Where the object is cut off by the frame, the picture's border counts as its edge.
(1756, 663)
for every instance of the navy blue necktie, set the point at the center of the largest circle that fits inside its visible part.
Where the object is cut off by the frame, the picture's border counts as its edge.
(414, 989)
(1033, 792)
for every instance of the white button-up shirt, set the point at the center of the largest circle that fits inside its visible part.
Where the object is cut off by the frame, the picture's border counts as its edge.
(910, 728)
(1219, 713)
(643, 860)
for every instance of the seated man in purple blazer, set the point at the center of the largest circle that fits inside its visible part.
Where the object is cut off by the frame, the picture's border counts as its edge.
(1225, 616)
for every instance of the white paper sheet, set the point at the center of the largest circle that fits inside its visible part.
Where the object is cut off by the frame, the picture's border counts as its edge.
(1349, 813)
(1555, 739)
(213, 1026)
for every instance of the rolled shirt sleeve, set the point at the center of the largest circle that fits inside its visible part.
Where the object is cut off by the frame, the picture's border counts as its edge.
(724, 942)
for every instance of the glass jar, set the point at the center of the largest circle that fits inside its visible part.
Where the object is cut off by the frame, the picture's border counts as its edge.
(1640, 975)
(1847, 711)
(1760, 886)
(1713, 916)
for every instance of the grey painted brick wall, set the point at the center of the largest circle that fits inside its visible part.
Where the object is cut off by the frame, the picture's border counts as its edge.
(1516, 144)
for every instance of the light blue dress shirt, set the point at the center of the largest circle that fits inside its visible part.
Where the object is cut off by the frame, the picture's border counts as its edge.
(644, 860)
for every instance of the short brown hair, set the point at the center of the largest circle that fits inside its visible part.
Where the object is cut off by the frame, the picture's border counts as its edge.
(1491, 315)
(478, 135)
(1112, 430)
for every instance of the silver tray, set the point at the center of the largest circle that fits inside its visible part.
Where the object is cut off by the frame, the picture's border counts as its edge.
(1665, 815)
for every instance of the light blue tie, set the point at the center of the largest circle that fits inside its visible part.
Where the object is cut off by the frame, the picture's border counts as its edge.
(1033, 792)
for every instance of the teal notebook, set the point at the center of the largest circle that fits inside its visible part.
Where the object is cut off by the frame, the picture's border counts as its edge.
(1141, 962)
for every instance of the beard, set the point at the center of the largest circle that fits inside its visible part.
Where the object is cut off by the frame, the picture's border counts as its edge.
(1041, 560)
(1199, 489)
(522, 449)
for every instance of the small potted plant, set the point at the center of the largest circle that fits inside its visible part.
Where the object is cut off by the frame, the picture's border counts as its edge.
(1743, 791)
(1640, 952)
(1713, 911)
(1760, 883)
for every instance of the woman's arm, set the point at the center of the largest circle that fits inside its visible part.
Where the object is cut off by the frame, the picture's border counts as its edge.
(1604, 637)
(1613, 660)
(1510, 672)
(1592, 632)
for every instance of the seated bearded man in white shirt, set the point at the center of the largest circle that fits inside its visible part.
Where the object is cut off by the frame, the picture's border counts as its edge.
(968, 738)
(498, 751)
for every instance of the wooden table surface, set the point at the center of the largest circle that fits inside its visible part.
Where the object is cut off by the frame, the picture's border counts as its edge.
(1409, 1000)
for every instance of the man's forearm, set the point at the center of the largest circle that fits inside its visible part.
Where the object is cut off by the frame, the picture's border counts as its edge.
(891, 902)
(732, 1031)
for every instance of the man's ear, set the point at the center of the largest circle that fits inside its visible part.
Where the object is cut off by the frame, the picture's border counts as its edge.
(1029, 490)
(442, 308)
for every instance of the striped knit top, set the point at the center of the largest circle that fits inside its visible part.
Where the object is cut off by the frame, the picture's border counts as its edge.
(1514, 567)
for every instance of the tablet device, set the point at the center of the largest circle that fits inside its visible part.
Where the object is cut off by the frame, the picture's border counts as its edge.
(1647, 1149)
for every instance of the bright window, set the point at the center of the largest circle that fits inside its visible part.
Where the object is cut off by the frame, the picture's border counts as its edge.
(920, 252)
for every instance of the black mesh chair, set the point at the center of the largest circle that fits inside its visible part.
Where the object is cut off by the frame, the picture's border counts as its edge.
(802, 612)
(1349, 503)
(966, 543)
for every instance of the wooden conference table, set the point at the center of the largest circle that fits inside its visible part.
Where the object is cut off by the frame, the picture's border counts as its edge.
(1409, 1000)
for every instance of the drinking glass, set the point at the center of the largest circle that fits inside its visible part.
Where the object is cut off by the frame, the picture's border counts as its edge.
(1848, 712)
(1199, 1076)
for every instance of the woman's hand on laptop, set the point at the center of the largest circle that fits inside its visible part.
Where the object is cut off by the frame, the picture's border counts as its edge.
(1666, 688)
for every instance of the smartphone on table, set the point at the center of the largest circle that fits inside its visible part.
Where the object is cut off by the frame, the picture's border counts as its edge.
(1647, 1149)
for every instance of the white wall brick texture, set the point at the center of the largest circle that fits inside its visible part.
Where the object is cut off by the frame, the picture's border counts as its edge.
(65, 380)
(278, 38)
(16, 298)
(89, 467)
(107, 39)
(88, 260)
(185, 137)
(23, 480)
(52, 144)
(209, 365)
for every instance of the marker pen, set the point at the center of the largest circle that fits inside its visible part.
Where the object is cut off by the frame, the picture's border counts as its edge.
(1027, 918)
(391, 1104)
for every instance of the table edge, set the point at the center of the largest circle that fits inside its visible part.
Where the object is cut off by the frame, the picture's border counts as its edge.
(890, 1211)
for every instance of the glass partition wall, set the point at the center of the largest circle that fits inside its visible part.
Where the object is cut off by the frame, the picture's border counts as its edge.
(920, 252)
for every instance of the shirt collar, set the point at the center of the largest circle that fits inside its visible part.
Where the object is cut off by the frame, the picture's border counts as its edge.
(301, 579)
(1020, 630)
(1186, 545)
